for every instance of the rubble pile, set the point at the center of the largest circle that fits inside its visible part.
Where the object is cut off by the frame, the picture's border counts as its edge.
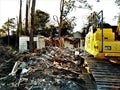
(7, 59)
(51, 68)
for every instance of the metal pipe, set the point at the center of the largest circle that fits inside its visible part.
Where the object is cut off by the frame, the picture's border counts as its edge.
(101, 27)
(102, 30)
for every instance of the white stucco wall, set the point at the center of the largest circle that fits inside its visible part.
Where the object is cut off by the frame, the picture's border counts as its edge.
(67, 44)
(41, 43)
(23, 43)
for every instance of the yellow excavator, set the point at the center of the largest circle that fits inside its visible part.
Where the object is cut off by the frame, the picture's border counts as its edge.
(102, 39)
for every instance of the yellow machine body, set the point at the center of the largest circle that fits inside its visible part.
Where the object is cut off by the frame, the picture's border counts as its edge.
(102, 43)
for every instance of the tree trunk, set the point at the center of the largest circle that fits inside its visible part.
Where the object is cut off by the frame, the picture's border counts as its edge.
(26, 19)
(17, 37)
(32, 25)
(20, 19)
(61, 19)
(8, 33)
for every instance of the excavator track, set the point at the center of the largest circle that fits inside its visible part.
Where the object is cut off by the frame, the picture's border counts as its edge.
(106, 75)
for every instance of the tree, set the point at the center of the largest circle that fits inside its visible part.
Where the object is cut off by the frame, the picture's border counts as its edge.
(67, 26)
(20, 20)
(53, 32)
(70, 5)
(2, 33)
(41, 18)
(26, 19)
(117, 2)
(32, 25)
(9, 24)
(67, 6)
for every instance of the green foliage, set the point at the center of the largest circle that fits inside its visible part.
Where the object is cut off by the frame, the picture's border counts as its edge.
(10, 24)
(117, 2)
(2, 33)
(68, 6)
(84, 4)
(93, 18)
(41, 18)
(53, 32)
(67, 26)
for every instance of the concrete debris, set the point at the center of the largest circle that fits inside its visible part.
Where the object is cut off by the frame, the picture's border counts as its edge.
(51, 68)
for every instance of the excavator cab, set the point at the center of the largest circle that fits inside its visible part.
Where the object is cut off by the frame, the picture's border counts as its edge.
(102, 41)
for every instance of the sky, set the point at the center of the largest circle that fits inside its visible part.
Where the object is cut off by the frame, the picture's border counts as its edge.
(10, 9)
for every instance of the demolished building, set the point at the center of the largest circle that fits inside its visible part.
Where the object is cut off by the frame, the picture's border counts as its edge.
(51, 68)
